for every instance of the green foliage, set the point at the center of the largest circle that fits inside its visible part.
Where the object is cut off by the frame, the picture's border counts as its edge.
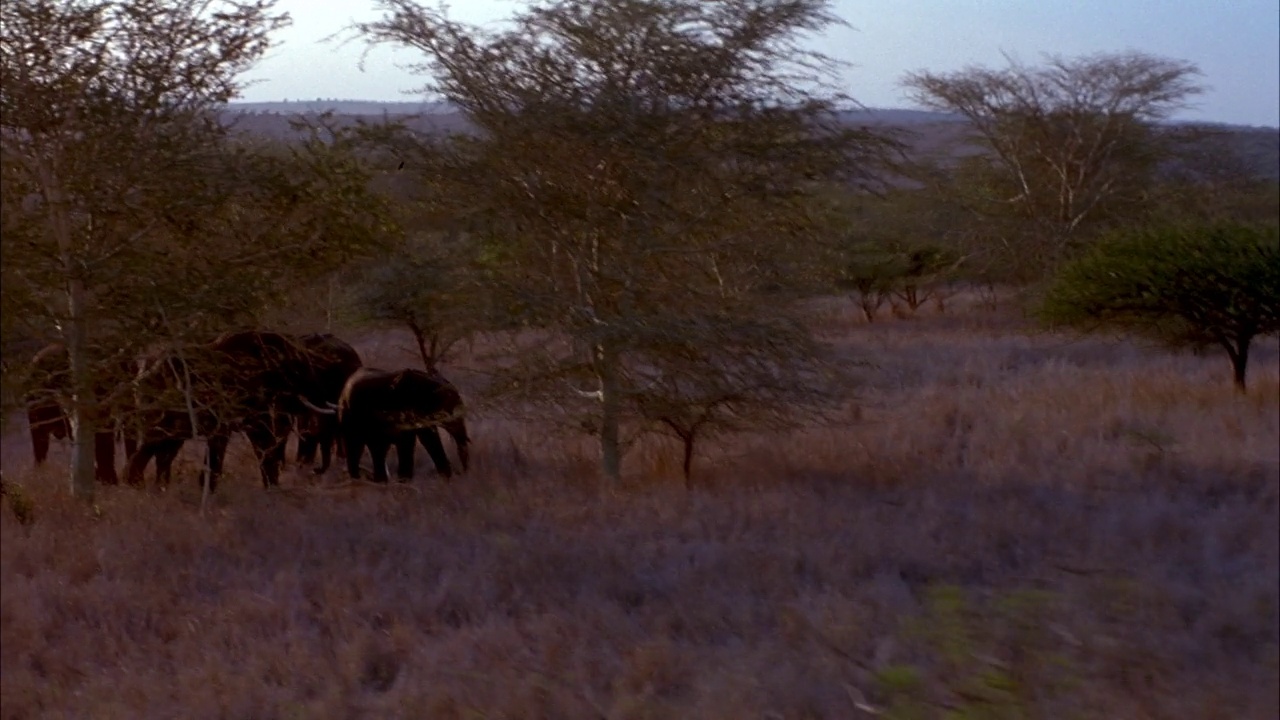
(899, 245)
(869, 267)
(21, 504)
(1184, 284)
(995, 658)
(875, 271)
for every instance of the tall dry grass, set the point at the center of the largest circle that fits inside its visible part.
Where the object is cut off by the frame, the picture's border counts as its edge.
(1014, 525)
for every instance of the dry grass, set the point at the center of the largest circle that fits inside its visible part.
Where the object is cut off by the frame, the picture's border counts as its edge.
(1019, 526)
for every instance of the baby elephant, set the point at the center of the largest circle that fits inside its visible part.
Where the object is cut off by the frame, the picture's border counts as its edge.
(379, 408)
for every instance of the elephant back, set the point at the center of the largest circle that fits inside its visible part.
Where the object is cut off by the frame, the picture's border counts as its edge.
(50, 372)
(428, 394)
(264, 367)
(334, 362)
(367, 387)
(50, 379)
(399, 400)
(162, 374)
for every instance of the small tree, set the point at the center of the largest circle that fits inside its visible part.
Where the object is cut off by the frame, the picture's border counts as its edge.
(1186, 285)
(426, 288)
(923, 266)
(883, 246)
(868, 273)
(768, 373)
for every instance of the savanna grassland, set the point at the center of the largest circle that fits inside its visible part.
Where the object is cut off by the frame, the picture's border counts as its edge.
(1012, 524)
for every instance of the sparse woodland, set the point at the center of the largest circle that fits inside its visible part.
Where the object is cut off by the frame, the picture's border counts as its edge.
(772, 415)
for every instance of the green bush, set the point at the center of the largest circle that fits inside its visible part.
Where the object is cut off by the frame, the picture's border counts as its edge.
(1186, 285)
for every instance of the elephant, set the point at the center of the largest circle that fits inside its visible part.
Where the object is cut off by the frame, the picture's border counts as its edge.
(334, 361)
(379, 408)
(51, 369)
(163, 411)
(252, 381)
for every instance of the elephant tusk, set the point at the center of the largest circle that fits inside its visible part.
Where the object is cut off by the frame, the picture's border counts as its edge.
(313, 408)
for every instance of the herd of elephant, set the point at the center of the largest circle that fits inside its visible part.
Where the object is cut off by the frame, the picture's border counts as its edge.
(262, 384)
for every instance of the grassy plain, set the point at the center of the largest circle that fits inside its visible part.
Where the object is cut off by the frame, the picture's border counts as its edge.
(1012, 525)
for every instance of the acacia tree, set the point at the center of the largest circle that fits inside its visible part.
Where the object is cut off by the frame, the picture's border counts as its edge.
(1071, 143)
(897, 246)
(1198, 284)
(634, 168)
(137, 215)
(424, 287)
(725, 374)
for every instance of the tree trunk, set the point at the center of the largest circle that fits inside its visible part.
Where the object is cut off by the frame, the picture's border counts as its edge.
(1239, 354)
(206, 475)
(75, 333)
(865, 303)
(428, 355)
(328, 309)
(688, 440)
(82, 417)
(611, 411)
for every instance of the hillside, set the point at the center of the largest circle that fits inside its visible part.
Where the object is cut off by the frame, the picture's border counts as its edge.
(927, 133)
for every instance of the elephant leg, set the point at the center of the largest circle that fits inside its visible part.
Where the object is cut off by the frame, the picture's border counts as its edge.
(430, 438)
(130, 441)
(165, 455)
(164, 450)
(405, 443)
(104, 456)
(268, 433)
(59, 425)
(40, 443)
(325, 439)
(326, 457)
(261, 440)
(306, 447)
(378, 448)
(355, 448)
(45, 421)
(264, 446)
(281, 427)
(457, 429)
(215, 456)
(339, 445)
(138, 460)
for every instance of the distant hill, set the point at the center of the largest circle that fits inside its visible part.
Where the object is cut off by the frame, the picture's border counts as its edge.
(873, 116)
(340, 107)
(927, 133)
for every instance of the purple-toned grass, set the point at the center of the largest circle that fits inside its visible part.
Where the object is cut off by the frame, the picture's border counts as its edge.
(1130, 488)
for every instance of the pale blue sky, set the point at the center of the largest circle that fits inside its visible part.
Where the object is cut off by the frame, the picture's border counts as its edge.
(1236, 44)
